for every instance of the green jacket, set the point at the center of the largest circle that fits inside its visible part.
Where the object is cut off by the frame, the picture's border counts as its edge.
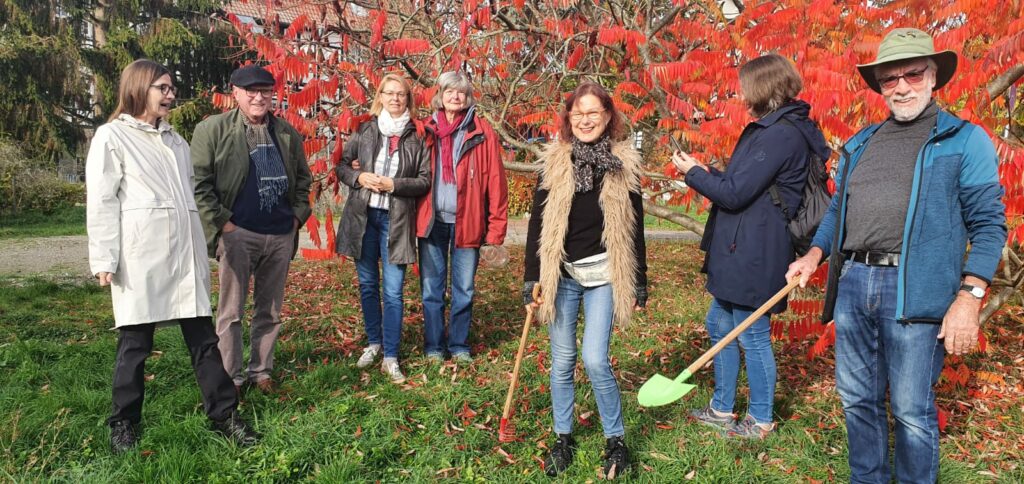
(220, 155)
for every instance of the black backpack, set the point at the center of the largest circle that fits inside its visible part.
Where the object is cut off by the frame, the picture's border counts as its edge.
(803, 223)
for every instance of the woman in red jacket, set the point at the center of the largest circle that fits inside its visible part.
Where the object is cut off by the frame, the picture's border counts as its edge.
(467, 207)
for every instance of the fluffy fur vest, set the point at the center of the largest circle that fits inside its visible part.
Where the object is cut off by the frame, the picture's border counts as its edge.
(619, 224)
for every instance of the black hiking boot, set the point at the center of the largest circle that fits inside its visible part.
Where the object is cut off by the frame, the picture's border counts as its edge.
(616, 458)
(235, 429)
(560, 455)
(123, 436)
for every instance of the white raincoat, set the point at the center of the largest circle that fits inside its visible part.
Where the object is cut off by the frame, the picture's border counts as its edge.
(143, 223)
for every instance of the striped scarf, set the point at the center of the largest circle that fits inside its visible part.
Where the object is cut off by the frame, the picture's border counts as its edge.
(272, 181)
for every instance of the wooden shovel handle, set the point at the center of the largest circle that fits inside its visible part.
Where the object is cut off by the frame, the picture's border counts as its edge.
(742, 327)
(519, 354)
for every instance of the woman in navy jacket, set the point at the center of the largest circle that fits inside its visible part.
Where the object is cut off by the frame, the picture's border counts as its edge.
(746, 241)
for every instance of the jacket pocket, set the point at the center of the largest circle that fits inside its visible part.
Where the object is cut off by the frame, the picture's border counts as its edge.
(146, 229)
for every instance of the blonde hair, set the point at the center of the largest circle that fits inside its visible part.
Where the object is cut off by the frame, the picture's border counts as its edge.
(457, 80)
(768, 82)
(133, 89)
(378, 103)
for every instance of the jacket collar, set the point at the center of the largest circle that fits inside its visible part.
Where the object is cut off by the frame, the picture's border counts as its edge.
(946, 124)
(787, 108)
(469, 123)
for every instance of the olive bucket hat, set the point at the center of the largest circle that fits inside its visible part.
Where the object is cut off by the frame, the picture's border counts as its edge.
(907, 43)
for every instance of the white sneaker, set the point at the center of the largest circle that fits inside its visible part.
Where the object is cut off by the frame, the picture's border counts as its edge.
(369, 354)
(391, 369)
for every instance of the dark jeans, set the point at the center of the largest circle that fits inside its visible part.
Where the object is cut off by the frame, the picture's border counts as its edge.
(135, 343)
(875, 352)
(435, 252)
(383, 326)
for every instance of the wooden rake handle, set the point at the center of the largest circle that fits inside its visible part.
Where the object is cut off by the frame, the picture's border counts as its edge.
(735, 333)
(519, 354)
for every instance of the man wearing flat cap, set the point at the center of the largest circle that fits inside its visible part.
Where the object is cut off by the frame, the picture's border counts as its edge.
(912, 191)
(252, 190)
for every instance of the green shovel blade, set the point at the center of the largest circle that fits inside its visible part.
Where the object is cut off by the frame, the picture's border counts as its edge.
(660, 390)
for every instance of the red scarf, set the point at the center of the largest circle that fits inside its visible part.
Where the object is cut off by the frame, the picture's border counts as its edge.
(445, 130)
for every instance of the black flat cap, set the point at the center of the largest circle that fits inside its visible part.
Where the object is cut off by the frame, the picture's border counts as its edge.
(251, 75)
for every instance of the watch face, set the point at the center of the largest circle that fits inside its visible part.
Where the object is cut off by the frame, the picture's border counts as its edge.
(973, 290)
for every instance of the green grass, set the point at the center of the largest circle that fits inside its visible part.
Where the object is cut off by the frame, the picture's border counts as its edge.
(335, 423)
(63, 221)
(652, 222)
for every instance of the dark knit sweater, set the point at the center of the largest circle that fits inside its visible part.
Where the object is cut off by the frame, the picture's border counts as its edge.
(879, 188)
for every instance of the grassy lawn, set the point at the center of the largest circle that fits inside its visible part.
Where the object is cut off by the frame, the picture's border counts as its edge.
(64, 221)
(335, 423)
(652, 222)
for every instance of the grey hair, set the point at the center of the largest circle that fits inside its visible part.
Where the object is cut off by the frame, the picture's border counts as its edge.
(453, 80)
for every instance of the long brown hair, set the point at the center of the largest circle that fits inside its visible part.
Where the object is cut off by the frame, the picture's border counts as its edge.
(768, 82)
(133, 90)
(616, 129)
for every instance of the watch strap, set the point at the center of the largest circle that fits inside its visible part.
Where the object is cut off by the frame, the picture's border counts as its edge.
(973, 290)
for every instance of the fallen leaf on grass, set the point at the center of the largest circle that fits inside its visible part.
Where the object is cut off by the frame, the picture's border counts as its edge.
(690, 475)
(661, 456)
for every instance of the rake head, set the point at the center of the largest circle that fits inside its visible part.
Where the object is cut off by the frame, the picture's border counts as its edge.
(506, 431)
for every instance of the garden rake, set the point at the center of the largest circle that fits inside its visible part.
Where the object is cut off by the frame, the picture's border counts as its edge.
(661, 390)
(507, 432)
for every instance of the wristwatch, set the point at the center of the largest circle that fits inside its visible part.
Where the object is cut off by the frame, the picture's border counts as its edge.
(975, 291)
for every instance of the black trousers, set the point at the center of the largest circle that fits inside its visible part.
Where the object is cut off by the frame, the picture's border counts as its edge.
(135, 343)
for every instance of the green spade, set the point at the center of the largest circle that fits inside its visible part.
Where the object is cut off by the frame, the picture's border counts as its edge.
(660, 390)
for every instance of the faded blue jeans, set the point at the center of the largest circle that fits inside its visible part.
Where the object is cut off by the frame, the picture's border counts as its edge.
(435, 252)
(597, 332)
(384, 328)
(756, 342)
(874, 352)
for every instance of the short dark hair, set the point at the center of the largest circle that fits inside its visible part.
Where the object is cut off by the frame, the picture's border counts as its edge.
(768, 82)
(616, 129)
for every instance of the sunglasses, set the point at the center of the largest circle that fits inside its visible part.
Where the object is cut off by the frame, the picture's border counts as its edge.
(912, 78)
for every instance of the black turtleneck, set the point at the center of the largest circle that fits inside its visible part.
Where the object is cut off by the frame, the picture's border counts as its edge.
(879, 187)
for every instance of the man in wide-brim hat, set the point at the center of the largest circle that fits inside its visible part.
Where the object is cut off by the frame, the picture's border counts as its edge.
(912, 190)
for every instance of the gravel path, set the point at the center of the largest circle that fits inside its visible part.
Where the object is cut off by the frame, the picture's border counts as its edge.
(69, 254)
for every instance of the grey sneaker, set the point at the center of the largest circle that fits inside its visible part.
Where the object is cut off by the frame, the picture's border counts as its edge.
(435, 358)
(369, 354)
(709, 417)
(462, 358)
(748, 428)
(391, 369)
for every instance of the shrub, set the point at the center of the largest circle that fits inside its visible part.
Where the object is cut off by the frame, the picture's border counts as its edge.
(29, 185)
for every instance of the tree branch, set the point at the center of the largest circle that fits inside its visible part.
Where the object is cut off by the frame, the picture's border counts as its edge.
(1000, 84)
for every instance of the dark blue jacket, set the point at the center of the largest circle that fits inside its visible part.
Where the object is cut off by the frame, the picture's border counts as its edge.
(955, 198)
(747, 244)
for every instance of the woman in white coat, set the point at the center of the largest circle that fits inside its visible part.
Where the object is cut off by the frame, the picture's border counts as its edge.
(147, 243)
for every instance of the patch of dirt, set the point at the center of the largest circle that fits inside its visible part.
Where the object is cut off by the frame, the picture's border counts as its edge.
(66, 254)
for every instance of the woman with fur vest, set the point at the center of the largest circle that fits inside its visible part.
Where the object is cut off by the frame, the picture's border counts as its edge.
(586, 245)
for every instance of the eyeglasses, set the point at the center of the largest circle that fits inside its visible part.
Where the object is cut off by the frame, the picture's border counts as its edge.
(165, 88)
(267, 92)
(593, 116)
(912, 77)
(393, 93)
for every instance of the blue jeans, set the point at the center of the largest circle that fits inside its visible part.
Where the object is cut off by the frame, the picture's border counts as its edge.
(435, 251)
(875, 351)
(722, 318)
(597, 311)
(383, 329)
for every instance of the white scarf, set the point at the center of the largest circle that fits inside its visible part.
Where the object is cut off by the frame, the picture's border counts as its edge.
(390, 126)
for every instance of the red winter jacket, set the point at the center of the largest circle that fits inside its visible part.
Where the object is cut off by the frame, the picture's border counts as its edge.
(481, 216)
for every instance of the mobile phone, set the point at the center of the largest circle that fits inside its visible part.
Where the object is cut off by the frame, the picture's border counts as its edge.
(675, 144)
